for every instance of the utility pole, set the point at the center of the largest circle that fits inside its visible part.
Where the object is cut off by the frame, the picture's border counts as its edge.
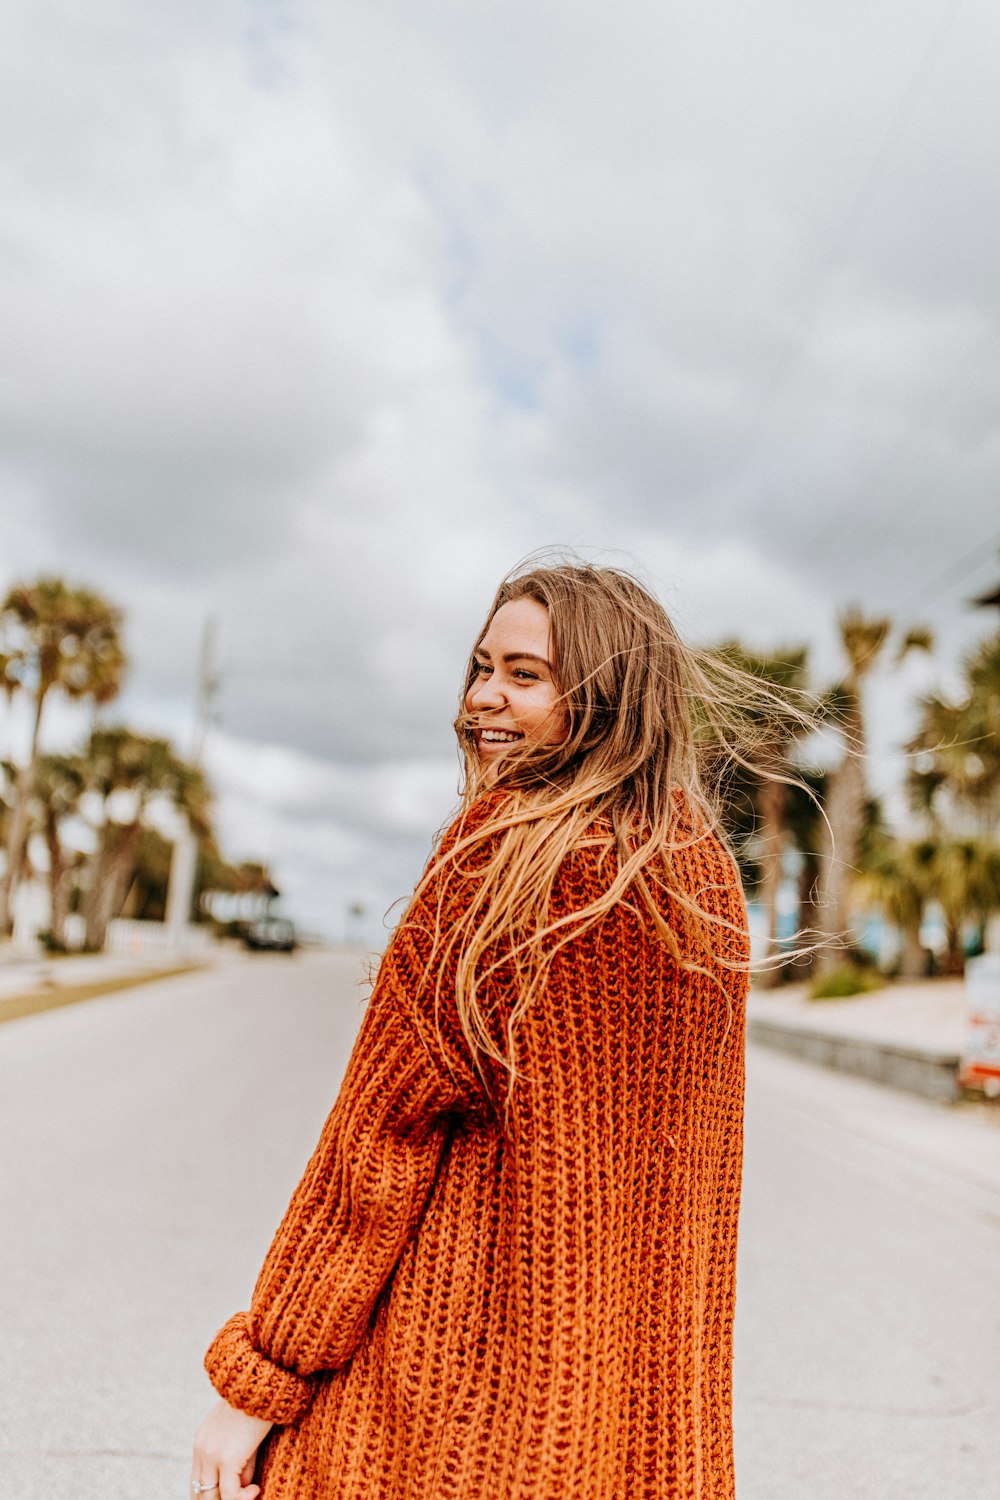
(208, 688)
(184, 859)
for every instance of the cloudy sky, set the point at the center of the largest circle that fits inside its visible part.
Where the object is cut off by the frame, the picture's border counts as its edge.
(315, 318)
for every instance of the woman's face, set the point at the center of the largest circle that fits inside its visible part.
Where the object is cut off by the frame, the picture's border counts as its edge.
(513, 698)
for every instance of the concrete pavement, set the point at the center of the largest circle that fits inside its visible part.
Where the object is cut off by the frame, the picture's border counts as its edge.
(868, 1363)
(152, 1139)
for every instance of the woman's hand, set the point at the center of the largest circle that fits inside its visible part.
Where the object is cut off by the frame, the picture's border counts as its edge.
(225, 1447)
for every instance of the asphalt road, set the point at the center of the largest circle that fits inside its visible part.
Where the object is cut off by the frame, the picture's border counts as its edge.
(151, 1141)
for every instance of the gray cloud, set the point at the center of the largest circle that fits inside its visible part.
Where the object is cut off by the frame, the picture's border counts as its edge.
(317, 324)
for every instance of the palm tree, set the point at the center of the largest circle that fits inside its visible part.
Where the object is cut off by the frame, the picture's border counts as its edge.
(900, 878)
(954, 785)
(956, 749)
(775, 734)
(52, 637)
(966, 885)
(863, 640)
(126, 773)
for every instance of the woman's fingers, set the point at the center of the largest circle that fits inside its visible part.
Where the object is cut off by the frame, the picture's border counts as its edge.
(202, 1485)
(234, 1483)
(225, 1452)
(231, 1487)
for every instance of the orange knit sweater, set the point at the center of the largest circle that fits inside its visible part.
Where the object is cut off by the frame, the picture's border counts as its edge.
(455, 1308)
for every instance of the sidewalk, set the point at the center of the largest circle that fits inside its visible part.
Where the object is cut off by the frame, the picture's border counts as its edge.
(21, 972)
(36, 982)
(29, 983)
(908, 1035)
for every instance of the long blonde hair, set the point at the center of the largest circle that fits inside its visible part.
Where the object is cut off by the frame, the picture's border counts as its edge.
(655, 727)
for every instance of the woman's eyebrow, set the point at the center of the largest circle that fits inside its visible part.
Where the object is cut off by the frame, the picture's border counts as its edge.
(527, 656)
(510, 656)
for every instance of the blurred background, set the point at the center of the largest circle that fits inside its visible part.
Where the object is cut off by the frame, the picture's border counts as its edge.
(313, 321)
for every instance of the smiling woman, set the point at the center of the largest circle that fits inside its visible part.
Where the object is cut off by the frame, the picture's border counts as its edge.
(508, 1271)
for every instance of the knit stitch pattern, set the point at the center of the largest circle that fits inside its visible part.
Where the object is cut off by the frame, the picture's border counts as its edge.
(465, 1305)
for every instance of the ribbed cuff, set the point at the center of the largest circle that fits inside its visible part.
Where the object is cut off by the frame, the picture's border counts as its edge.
(250, 1381)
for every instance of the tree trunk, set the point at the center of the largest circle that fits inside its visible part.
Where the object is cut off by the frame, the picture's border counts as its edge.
(131, 904)
(953, 959)
(802, 965)
(913, 958)
(17, 834)
(845, 811)
(771, 800)
(58, 884)
(113, 870)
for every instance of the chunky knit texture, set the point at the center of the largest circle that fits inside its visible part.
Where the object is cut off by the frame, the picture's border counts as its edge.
(462, 1307)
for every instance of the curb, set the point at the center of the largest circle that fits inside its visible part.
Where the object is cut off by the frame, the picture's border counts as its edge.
(929, 1073)
(55, 996)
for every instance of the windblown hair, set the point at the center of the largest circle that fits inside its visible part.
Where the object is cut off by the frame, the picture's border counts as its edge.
(655, 728)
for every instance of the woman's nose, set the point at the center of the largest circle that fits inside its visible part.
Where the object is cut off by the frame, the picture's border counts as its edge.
(485, 692)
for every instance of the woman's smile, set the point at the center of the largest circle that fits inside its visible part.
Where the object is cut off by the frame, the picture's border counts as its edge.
(492, 738)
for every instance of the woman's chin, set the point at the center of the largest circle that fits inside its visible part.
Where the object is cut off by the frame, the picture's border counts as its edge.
(489, 768)
(492, 760)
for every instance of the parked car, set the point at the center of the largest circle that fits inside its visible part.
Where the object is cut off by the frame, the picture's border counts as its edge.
(274, 933)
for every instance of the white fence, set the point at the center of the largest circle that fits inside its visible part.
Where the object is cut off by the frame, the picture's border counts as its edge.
(157, 939)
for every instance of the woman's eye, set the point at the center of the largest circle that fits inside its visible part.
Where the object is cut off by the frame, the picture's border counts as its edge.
(528, 676)
(481, 669)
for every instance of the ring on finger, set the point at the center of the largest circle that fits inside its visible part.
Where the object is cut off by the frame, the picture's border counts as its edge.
(197, 1488)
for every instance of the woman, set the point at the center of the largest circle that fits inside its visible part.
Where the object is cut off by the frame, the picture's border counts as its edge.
(509, 1269)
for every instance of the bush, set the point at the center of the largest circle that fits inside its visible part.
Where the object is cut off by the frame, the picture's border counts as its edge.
(844, 982)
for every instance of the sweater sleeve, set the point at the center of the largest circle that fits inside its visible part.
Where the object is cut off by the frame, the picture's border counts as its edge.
(366, 1185)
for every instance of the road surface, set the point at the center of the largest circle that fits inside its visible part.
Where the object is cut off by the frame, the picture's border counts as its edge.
(151, 1140)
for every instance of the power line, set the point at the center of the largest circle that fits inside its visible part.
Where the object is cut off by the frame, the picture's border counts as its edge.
(777, 382)
(894, 132)
(950, 575)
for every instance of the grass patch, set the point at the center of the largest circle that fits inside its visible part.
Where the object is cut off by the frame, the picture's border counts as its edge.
(55, 996)
(845, 982)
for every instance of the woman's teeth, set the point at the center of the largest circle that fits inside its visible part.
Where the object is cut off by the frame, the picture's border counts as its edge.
(498, 736)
